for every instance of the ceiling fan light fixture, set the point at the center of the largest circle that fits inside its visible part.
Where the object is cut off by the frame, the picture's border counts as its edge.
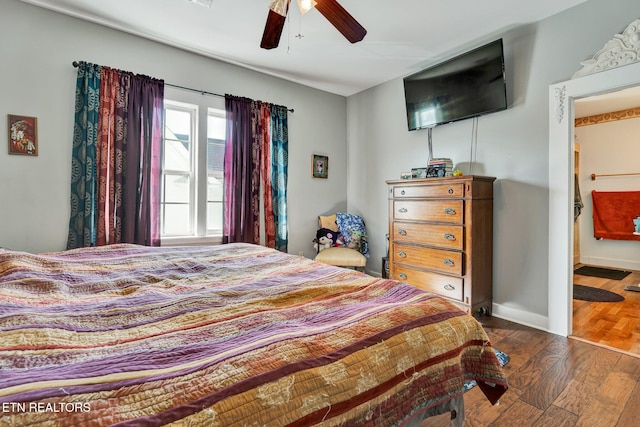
(206, 3)
(306, 5)
(330, 9)
(281, 7)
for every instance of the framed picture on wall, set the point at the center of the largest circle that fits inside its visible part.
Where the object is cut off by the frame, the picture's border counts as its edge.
(320, 166)
(23, 135)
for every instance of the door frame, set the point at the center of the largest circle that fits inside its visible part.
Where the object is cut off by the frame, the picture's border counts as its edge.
(561, 183)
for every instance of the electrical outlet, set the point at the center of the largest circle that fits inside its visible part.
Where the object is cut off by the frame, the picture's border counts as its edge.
(301, 253)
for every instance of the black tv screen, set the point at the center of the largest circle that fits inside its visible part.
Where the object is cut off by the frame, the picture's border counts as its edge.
(466, 86)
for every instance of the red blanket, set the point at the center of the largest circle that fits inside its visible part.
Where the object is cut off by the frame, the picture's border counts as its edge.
(613, 214)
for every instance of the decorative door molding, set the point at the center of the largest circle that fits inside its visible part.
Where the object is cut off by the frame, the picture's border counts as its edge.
(622, 49)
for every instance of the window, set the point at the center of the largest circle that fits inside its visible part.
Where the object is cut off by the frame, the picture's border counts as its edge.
(216, 129)
(192, 173)
(178, 172)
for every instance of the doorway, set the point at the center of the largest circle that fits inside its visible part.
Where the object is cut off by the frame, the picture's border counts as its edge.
(605, 130)
(561, 192)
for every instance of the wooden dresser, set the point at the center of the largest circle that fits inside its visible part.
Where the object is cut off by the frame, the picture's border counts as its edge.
(440, 237)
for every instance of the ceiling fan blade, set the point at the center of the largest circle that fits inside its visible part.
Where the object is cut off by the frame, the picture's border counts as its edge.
(341, 19)
(272, 30)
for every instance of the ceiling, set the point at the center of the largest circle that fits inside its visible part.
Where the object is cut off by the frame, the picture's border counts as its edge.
(608, 102)
(403, 35)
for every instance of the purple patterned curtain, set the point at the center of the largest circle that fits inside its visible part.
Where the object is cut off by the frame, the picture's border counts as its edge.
(241, 167)
(141, 194)
(121, 112)
(255, 155)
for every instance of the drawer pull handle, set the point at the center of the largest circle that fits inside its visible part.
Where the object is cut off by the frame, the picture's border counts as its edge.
(402, 254)
(403, 210)
(402, 276)
(402, 232)
(448, 261)
(402, 192)
(449, 287)
(449, 236)
(450, 211)
(451, 191)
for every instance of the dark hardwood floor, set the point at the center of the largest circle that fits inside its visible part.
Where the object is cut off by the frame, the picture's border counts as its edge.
(555, 381)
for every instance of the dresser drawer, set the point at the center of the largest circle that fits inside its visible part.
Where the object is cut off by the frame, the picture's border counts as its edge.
(429, 210)
(445, 190)
(441, 260)
(443, 236)
(450, 287)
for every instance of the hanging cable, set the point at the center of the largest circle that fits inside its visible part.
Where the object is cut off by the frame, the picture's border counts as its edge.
(299, 35)
(288, 33)
(430, 142)
(473, 145)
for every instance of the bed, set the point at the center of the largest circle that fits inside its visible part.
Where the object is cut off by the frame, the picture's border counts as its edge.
(229, 335)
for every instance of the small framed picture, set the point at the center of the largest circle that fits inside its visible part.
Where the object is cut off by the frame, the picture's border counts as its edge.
(23, 135)
(320, 166)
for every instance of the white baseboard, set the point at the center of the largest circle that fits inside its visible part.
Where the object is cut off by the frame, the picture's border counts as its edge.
(520, 316)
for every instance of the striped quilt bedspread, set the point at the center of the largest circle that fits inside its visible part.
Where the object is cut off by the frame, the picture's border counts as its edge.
(230, 335)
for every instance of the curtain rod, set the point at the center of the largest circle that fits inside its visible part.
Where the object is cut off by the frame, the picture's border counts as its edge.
(202, 92)
(594, 176)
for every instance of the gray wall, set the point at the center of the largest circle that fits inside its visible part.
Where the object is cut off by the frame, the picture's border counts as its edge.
(37, 48)
(511, 145)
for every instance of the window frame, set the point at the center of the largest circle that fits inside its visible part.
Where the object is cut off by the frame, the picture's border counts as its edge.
(202, 106)
(192, 174)
(221, 114)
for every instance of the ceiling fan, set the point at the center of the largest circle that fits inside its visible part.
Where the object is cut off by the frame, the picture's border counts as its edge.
(331, 9)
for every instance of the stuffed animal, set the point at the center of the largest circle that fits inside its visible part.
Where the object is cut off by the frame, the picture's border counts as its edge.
(325, 238)
(356, 240)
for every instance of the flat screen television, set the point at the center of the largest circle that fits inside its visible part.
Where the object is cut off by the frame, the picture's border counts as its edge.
(466, 86)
